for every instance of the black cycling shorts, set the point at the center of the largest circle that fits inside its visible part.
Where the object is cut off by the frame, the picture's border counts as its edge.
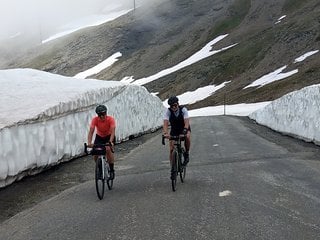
(177, 132)
(101, 140)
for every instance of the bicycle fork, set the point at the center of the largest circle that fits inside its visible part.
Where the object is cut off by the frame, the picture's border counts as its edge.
(103, 167)
(175, 165)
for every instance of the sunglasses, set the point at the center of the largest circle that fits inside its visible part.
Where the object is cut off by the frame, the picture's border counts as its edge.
(174, 105)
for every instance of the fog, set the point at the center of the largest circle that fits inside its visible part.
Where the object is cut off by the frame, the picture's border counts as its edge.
(28, 24)
(38, 19)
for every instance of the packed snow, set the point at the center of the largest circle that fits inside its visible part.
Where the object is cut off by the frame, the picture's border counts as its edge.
(272, 77)
(199, 94)
(296, 114)
(45, 117)
(101, 66)
(280, 19)
(304, 56)
(242, 109)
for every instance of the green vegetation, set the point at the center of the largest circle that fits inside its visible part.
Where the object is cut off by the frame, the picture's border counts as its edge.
(237, 13)
(244, 56)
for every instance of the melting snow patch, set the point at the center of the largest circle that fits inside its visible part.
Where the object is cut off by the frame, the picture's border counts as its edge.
(304, 56)
(225, 193)
(272, 77)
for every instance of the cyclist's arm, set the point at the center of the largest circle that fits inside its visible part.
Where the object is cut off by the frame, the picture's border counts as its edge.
(90, 135)
(165, 127)
(166, 118)
(186, 123)
(185, 117)
(112, 130)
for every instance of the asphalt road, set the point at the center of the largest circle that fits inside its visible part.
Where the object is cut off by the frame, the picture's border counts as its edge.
(243, 181)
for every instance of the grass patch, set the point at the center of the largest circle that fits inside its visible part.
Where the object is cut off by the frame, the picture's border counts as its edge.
(236, 13)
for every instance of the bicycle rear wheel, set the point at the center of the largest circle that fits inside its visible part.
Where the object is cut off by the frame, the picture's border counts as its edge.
(100, 177)
(182, 169)
(174, 171)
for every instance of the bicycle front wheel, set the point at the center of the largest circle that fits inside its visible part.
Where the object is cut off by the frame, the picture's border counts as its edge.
(100, 177)
(174, 171)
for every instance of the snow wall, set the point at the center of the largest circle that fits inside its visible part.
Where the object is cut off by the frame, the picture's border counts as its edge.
(52, 124)
(295, 114)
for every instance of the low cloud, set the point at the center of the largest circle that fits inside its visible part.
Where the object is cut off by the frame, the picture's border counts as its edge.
(36, 20)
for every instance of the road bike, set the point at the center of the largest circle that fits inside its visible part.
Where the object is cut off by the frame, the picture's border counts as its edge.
(177, 168)
(102, 169)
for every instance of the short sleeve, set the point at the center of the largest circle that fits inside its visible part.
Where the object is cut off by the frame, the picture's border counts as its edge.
(93, 123)
(166, 115)
(185, 113)
(112, 122)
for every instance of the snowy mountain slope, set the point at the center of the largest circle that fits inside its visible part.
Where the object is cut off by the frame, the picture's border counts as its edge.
(270, 34)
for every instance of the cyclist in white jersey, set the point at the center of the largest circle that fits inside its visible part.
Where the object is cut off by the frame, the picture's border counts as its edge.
(178, 118)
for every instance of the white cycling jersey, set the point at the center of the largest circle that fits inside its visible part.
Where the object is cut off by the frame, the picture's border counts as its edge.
(168, 113)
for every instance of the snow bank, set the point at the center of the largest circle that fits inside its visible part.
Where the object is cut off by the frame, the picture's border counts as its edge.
(296, 114)
(44, 118)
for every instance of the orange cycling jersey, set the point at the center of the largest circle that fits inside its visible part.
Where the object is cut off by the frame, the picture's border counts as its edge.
(103, 127)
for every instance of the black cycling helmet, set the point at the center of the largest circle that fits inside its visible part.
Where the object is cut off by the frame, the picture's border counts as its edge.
(101, 109)
(173, 100)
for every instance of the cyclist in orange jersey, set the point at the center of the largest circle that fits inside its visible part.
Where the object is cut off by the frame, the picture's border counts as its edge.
(104, 126)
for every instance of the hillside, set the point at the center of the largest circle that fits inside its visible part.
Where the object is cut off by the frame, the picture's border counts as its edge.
(166, 32)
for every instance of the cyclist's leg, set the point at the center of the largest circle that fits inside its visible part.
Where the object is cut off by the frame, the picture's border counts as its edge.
(187, 143)
(173, 163)
(109, 157)
(97, 140)
(171, 152)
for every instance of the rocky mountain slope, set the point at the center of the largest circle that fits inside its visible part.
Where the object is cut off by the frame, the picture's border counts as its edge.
(166, 32)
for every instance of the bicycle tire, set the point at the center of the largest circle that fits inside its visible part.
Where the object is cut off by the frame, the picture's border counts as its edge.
(182, 173)
(174, 171)
(100, 177)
